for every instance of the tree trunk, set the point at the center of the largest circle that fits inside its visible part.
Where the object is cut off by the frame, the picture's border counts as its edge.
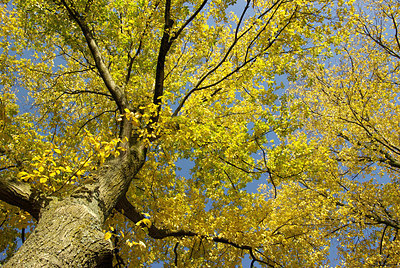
(69, 230)
(68, 234)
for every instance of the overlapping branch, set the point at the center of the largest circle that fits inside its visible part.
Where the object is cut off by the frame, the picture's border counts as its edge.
(166, 42)
(162, 54)
(129, 211)
(115, 91)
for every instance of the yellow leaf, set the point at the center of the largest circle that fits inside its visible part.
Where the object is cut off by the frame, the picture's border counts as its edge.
(144, 223)
(22, 174)
(135, 122)
(107, 236)
(141, 244)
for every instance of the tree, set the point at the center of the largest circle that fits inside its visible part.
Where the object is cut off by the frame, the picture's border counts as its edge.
(351, 120)
(121, 92)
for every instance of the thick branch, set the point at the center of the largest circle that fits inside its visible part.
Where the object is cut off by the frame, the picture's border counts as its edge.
(115, 175)
(162, 53)
(129, 211)
(20, 194)
(117, 94)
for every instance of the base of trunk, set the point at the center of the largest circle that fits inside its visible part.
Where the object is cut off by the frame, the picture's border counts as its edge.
(68, 234)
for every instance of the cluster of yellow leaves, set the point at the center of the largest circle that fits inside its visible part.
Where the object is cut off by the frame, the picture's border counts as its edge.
(101, 149)
(351, 110)
(217, 133)
(232, 129)
(44, 167)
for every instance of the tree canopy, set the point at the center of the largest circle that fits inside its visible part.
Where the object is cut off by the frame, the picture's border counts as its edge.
(131, 130)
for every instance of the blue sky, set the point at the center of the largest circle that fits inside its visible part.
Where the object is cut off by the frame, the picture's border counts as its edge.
(186, 165)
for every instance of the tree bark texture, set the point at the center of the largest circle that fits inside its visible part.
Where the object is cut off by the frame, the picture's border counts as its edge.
(68, 234)
(69, 230)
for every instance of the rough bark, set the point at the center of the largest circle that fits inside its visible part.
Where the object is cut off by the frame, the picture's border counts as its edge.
(116, 176)
(68, 234)
(69, 230)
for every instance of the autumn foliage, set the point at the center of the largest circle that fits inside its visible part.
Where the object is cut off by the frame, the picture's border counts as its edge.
(132, 132)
